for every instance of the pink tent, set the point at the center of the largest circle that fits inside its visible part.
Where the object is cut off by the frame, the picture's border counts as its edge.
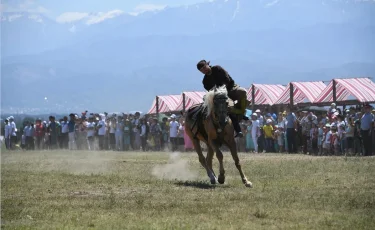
(264, 94)
(165, 104)
(360, 89)
(303, 92)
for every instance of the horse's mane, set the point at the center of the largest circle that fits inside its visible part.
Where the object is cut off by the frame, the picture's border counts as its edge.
(209, 97)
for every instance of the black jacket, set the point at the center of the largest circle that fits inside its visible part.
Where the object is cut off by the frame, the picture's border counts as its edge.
(218, 77)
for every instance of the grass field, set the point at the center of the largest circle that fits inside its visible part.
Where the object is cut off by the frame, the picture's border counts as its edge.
(122, 190)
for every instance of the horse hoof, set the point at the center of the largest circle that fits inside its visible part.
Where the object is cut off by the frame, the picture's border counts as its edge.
(221, 179)
(249, 184)
(213, 181)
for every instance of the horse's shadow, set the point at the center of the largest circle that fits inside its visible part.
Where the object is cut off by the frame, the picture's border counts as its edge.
(198, 184)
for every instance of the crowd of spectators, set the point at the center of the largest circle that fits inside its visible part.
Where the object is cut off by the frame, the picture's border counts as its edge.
(333, 132)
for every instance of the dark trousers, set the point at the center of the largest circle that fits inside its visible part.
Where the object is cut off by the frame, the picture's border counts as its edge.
(366, 138)
(269, 145)
(30, 143)
(174, 142)
(305, 139)
(112, 141)
(38, 142)
(261, 141)
(101, 142)
(144, 143)
(13, 140)
(291, 136)
(7, 142)
(64, 141)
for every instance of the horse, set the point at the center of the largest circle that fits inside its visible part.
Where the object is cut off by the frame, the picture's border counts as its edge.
(209, 122)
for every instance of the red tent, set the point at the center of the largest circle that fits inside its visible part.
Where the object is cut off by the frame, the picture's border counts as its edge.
(165, 104)
(264, 94)
(303, 92)
(191, 98)
(360, 89)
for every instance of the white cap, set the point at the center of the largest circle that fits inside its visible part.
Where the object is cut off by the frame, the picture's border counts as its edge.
(173, 116)
(254, 114)
(257, 111)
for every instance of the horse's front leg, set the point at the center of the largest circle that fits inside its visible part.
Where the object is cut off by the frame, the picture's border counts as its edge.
(209, 157)
(220, 157)
(203, 161)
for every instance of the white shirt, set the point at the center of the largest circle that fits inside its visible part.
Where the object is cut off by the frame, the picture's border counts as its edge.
(181, 129)
(135, 123)
(328, 137)
(7, 130)
(64, 127)
(112, 127)
(119, 126)
(101, 131)
(143, 130)
(282, 123)
(90, 132)
(13, 126)
(255, 128)
(260, 121)
(28, 131)
(173, 128)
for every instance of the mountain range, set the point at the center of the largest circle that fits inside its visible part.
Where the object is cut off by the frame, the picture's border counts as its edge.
(121, 63)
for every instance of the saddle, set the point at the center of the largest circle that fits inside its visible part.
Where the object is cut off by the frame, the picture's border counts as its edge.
(199, 112)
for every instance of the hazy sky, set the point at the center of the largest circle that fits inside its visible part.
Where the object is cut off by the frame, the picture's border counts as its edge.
(54, 8)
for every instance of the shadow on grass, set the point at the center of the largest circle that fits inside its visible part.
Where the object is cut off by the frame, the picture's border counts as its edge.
(196, 184)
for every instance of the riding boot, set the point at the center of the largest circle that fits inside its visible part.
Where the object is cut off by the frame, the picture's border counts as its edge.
(236, 125)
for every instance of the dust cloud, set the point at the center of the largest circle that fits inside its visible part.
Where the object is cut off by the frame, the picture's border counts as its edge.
(177, 168)
(92, 162)
(88, 162)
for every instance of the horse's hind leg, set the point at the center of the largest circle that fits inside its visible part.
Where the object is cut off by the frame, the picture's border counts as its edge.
(233, 150)
(203, 162)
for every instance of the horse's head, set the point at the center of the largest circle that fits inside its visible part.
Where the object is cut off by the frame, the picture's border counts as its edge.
(217, 103)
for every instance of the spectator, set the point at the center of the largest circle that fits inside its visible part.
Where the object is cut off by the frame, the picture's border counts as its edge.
(268, 133)
(367, 122)
(173, 132)
(255, 131)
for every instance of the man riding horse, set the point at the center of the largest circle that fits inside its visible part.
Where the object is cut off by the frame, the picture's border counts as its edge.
(217, 76)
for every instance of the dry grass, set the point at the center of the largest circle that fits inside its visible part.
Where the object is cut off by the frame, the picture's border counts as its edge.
(114, 190)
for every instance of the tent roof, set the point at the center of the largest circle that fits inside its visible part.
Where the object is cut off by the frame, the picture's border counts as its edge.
(191, 98)
(265, 94)
(303, 92)
(167, 104)
(362, 89)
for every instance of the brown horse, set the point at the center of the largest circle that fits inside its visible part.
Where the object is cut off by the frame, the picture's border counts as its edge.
(209, 122)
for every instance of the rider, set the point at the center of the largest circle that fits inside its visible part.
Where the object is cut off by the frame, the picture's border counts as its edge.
(217, 76)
